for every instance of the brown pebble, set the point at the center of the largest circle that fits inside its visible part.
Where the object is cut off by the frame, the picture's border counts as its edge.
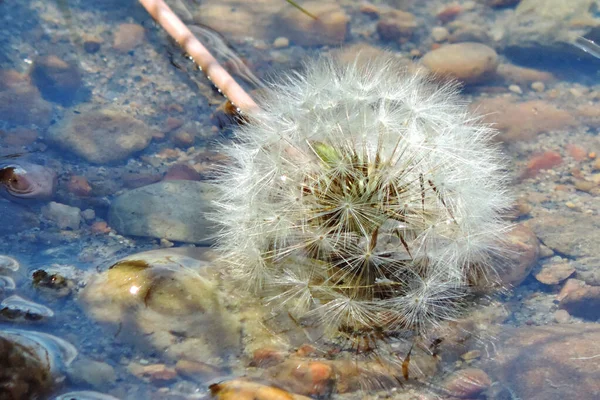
(562, 316)
(100, 227)
(538, 162)
(181, 172)
(154, 372)
(309, 378)
(172, 123)
(569, 286)
(266, 357)
(57, 80)
(553, 274)
(239, 389)
(583, 302)
(183, 139)
(396, 24)
(584, 186)
(198, 371)
(79, 186)
(467, 62)
(127, 37)
(467, 383)
(577, 152)
(449, 12)
(330, 27)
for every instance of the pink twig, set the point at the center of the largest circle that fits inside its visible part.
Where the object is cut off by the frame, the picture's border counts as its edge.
(208, 64)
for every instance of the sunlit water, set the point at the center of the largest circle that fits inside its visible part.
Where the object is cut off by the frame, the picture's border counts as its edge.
(62, 59)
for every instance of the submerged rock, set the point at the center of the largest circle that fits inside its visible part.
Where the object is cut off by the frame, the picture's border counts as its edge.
(172, 210)
(167, 300)
(21, 180)
(101, 136)
(548, 362)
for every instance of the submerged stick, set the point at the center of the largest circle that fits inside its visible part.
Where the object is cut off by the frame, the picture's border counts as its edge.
(201, 56)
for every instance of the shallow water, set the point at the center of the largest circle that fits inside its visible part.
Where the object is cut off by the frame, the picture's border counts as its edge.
(97, 93)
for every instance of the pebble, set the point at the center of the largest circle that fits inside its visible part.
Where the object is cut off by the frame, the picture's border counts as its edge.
(396, 25)
(173, 210)
(90, 372)
(57, 80)
(64, 216)
(522, 120)
(309, 378)
(79, 186)
(538, 86)
(583, 302)
(127, 37)
(439, 34)
(239, 389)
(330, 28)
(153, 372)
(562, 316)
(467, 62)
(554, 273)
(281, 42)
(101, 136)
(515, 89)
(467, 383)
(550, 362)
(181, 172)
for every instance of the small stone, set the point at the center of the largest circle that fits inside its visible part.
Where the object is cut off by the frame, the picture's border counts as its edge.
(569, 286)
(239, 389)
(583, 302)
(91, 46)
(181, 172)
(471, 355)
(553, 274)
(266, 357)
(57, 80)
(100, 227)
(515, 89)
(467, 383)
(281, 42)
(79, 186)
(449, 12)
(154, 372)
(467, 62)
(562, 316)
(538, 86)
(88, 214)
(198, 371)
(101, 136)
(127, 37)
(522, 121)
(330, 27)
(183, 139)
(546, 160)
(94, 373)
(439, 34)
(396, 25)
(172, 123)
(173, 210)
(309, 378)
(585, 186)
(64, 216)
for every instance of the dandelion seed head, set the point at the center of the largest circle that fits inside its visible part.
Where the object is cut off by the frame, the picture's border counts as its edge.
(363, 197)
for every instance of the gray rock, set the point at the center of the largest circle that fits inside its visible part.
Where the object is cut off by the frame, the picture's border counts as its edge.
(64, 216)
(94, 373)
(172, 210)
(101, 136)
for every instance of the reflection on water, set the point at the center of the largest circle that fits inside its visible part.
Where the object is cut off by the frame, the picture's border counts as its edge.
(108, 134)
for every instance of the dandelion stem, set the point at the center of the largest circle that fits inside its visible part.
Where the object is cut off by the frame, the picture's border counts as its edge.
(163, 14)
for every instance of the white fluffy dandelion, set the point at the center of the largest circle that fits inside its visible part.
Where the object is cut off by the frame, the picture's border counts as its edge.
(364, 195)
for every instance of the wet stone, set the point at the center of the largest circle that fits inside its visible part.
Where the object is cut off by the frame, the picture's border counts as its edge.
(467, 383)
(127, 37)
(330, 27)
(90, 372)
(101, 136)
(64, 216)
(172, 210)
(583, 302)
(467, 62)
(551, 362)
(167, 301)
(554, 273)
